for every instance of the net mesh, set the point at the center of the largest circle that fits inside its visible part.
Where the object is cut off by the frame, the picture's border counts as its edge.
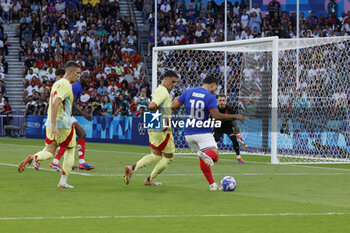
(313, 105)
(312, 94)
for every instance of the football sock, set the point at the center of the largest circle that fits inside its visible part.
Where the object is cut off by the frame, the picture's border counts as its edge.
(212, 154)
(82, 161)
(235, 144)
(42, 155)
(63, 179)
(239, 136)
(68, 161)
(206, 171)
(160, 167)
(59, 154)
(81, 148)
(147, 159)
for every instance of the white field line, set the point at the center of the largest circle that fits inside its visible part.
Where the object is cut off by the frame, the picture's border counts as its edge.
(172, 216)
(46, 169)
(198, 174)
(190, 157)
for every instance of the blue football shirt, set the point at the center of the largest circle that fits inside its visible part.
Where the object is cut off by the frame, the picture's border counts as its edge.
(77, 90)
(198, 101)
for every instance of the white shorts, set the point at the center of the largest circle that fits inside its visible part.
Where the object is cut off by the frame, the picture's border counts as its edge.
(201, 141)
(74, 120)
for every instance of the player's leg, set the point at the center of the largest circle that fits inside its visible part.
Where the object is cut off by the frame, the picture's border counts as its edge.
(68, 161)
(217, 134)
(236, 147)
(206, 169)
(154, 156)
(61, 150)
(143, 162)
(68, 157)
(156, 140)
(204, 144)
(45, 154)
(81, 147)
(237, 133)
(168, 154)
(55, 162)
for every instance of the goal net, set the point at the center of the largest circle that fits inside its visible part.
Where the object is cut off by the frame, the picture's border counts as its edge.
(294, 100)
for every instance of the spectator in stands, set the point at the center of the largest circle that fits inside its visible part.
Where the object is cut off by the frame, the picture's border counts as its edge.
(165, 7)
(147, 9)
(2, 84)
(255, 22)
(60, 6)
(274, 7)
(107, 107)
(332, 8)
(255, 9)
(346, 27)
(79, 24)
(142, 100)
(5, 108)
(124, 107)
(191, 12)
(2, 99)
(15, 10)
(244, 19)
(3, 64)
(6, 8)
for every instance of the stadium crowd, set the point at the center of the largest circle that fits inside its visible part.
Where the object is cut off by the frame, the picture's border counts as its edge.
(181, 22)
(94, 34)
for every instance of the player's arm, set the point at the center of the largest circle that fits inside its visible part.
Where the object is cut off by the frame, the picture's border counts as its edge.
(152, 106)
(78, 109)
(214, 112)
(158, 99)
(54, 110)
(176, 104)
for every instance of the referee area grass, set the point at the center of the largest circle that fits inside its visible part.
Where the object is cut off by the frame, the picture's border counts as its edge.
(269, 198)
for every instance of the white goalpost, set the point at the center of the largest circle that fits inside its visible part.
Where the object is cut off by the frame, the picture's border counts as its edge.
(294, 120)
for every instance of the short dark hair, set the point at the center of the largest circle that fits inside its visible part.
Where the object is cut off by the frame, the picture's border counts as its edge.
(222, 95)
(210, 79)
(60, 71)
(170, 73)
(72, 64)
(85, 73)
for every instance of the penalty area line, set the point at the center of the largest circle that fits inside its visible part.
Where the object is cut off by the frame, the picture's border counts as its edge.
(172, 216)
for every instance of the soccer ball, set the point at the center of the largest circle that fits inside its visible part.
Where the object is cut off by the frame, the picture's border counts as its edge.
(228, 183)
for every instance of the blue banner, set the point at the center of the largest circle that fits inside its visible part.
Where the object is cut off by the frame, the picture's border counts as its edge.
(298, 137)
(128, 130)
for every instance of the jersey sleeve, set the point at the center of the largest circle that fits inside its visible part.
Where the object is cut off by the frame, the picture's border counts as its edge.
(77, 90)
(182, 97)
(212, 102)
(63, 90)
(159, 96)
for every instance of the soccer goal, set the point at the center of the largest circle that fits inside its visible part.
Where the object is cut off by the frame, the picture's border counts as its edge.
(293, 92)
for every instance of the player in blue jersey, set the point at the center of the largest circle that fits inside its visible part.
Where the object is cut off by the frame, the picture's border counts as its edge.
(78, 88)
(200, 103)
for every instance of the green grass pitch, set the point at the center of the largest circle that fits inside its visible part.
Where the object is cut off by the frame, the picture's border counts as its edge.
(269, 198)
